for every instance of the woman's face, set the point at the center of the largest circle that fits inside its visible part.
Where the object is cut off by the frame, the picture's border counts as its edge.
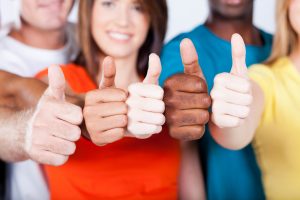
(294, 15)
(119, 27)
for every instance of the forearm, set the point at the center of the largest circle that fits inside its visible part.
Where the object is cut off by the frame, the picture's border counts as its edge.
(241, 135)
(191, 181)
(12, 134)
(233, 138)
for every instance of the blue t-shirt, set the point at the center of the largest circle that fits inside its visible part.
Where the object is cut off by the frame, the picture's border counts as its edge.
(228, 174)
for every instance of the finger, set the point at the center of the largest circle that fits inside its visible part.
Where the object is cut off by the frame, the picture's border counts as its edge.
(65, 131)
(187, 133)
(219, 107)
(56, 83)
(239, 67)
(65, 111)
(106, 109)
(105, 96)
(58, 146)
(154, 70)
(227, 121)
(108, 137)
(146, 117)
(138, 128)
(189, 117)
(99, 125)
(231, 96)
(192, 84)
(190, 58)
(182, 100)
(146, 104)
(108, 73)
(49, 158)
(146, 90)
(233, 83)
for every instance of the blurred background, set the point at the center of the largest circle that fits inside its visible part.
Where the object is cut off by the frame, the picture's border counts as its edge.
(186, 14)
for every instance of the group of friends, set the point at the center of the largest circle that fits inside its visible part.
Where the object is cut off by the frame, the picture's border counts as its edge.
(105, 110)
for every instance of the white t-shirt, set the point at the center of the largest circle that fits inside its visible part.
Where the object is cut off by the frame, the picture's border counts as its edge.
(26, 179)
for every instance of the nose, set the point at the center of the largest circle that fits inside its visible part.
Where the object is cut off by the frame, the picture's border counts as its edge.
(123, 18)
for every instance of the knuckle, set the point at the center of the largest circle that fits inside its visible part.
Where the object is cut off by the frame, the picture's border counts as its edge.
(123, 120)
(219, 78)
(173, 117)
(201, 84)
(76, 133)
(245, 112)
(60, 161)
(169, 82)
(72, 148)
(204, 117)
(206, 101)
(124, 108)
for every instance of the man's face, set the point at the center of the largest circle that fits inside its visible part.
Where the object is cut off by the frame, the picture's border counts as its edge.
(46, 14)
(231, 8)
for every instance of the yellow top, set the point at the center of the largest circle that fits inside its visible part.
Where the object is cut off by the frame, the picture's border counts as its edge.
(277, 139)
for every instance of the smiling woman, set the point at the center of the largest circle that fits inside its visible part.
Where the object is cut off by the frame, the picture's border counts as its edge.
(116, 32)
(128, 167)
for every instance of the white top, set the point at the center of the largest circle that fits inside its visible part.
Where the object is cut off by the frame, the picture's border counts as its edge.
(26, 179)
(23, 60)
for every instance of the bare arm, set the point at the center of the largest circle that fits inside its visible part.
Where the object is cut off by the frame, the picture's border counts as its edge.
(242, 132)
(238, 102)
(18, 98)
(191, 181)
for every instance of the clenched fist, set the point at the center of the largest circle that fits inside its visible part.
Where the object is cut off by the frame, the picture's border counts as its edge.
(145, 103)
(186, 97)
(54, 128)
(231, 94)
(105, 110)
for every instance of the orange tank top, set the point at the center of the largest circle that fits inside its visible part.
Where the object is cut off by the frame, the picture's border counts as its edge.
(127, 169)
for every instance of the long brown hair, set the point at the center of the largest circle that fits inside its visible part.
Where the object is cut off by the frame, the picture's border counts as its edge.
(285, 37)
(89, 56)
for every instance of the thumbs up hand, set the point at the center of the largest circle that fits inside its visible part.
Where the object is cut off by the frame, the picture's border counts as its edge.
(105, 110)
(231, 94)
(145, 104)
(54, 128)
(186, 97)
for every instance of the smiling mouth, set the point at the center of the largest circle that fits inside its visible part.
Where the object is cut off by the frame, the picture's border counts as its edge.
(55, 4)
(119, 36)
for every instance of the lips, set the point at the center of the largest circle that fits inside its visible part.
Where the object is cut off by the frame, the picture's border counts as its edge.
(232, 2)
(52, 4)
(119, 36)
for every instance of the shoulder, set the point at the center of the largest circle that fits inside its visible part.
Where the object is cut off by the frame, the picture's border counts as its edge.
(267, 38)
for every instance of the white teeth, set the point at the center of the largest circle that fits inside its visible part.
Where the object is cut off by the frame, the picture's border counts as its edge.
(119, 36)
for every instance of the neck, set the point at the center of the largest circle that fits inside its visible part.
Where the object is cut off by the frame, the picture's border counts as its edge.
(38, 38)
(225, 28)
(126, 71)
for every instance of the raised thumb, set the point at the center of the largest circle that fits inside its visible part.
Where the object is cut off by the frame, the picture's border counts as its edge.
(154, 70)
(57, 83)
(239, 67)
(108, 73)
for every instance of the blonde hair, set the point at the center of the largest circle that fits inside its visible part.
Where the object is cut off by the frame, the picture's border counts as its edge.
(285, 37)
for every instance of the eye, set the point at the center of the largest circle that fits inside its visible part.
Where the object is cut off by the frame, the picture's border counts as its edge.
(107, 3)
(138, 7)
